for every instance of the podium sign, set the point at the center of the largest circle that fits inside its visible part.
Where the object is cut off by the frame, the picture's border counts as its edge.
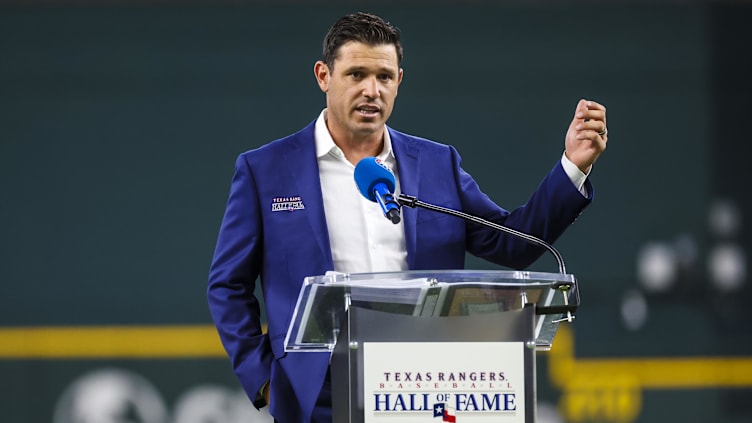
(440, 381)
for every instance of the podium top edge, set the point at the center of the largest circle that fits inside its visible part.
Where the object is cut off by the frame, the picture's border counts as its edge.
(512, 276)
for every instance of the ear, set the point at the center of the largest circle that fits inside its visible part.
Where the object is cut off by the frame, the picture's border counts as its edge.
(322, 74)
(399, 80)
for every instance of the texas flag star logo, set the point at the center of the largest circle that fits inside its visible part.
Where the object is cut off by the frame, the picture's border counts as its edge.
(447, 414)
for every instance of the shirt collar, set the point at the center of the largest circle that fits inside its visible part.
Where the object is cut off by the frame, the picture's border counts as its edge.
(325, 144)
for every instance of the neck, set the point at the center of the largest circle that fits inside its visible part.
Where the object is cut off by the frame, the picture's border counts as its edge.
(356, 146)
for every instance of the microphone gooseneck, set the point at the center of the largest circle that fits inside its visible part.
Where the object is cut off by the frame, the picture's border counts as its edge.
(413, 202)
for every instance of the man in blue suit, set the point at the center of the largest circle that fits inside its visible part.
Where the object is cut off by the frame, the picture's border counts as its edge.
(295, 211)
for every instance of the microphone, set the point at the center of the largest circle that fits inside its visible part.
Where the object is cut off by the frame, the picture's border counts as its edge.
(376, 182)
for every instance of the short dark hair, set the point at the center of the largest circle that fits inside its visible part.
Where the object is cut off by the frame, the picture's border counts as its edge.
(361, 27)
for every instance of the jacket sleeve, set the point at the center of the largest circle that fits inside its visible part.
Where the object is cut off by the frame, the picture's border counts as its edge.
(235, 268)
(549, 211)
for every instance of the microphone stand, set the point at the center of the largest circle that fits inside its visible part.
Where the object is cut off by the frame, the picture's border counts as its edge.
(413, 202)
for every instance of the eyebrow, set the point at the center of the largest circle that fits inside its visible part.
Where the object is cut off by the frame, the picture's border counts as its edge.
(366, 69)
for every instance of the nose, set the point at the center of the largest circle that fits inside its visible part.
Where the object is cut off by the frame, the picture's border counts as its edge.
(371, 87)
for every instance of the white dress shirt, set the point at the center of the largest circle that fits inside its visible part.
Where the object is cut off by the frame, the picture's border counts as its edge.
(361, 238)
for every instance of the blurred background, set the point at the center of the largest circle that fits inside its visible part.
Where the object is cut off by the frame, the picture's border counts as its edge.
(120, 122)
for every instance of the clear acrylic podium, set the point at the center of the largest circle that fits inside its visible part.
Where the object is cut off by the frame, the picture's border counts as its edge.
(448, 344)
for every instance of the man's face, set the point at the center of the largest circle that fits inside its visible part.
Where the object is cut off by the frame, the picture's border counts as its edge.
(360, 89)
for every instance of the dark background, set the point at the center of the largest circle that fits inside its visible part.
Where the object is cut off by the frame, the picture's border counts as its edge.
(120, 123)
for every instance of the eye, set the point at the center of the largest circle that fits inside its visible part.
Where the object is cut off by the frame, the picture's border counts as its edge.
(356, 74)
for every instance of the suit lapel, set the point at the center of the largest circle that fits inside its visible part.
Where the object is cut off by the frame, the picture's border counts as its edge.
(408, 168)
(302, 165)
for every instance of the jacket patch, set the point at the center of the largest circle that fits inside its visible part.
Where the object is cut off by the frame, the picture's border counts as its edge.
(287, 204)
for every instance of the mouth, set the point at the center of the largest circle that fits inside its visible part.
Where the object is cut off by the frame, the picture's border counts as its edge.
(368, 110)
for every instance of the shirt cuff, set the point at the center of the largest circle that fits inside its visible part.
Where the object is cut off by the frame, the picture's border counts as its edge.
(575, 174)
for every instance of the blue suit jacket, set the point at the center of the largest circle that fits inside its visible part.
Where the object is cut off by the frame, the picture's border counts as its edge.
(285, 247)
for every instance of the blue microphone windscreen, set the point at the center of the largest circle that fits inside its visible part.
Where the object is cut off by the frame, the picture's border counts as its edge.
(371, 171)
